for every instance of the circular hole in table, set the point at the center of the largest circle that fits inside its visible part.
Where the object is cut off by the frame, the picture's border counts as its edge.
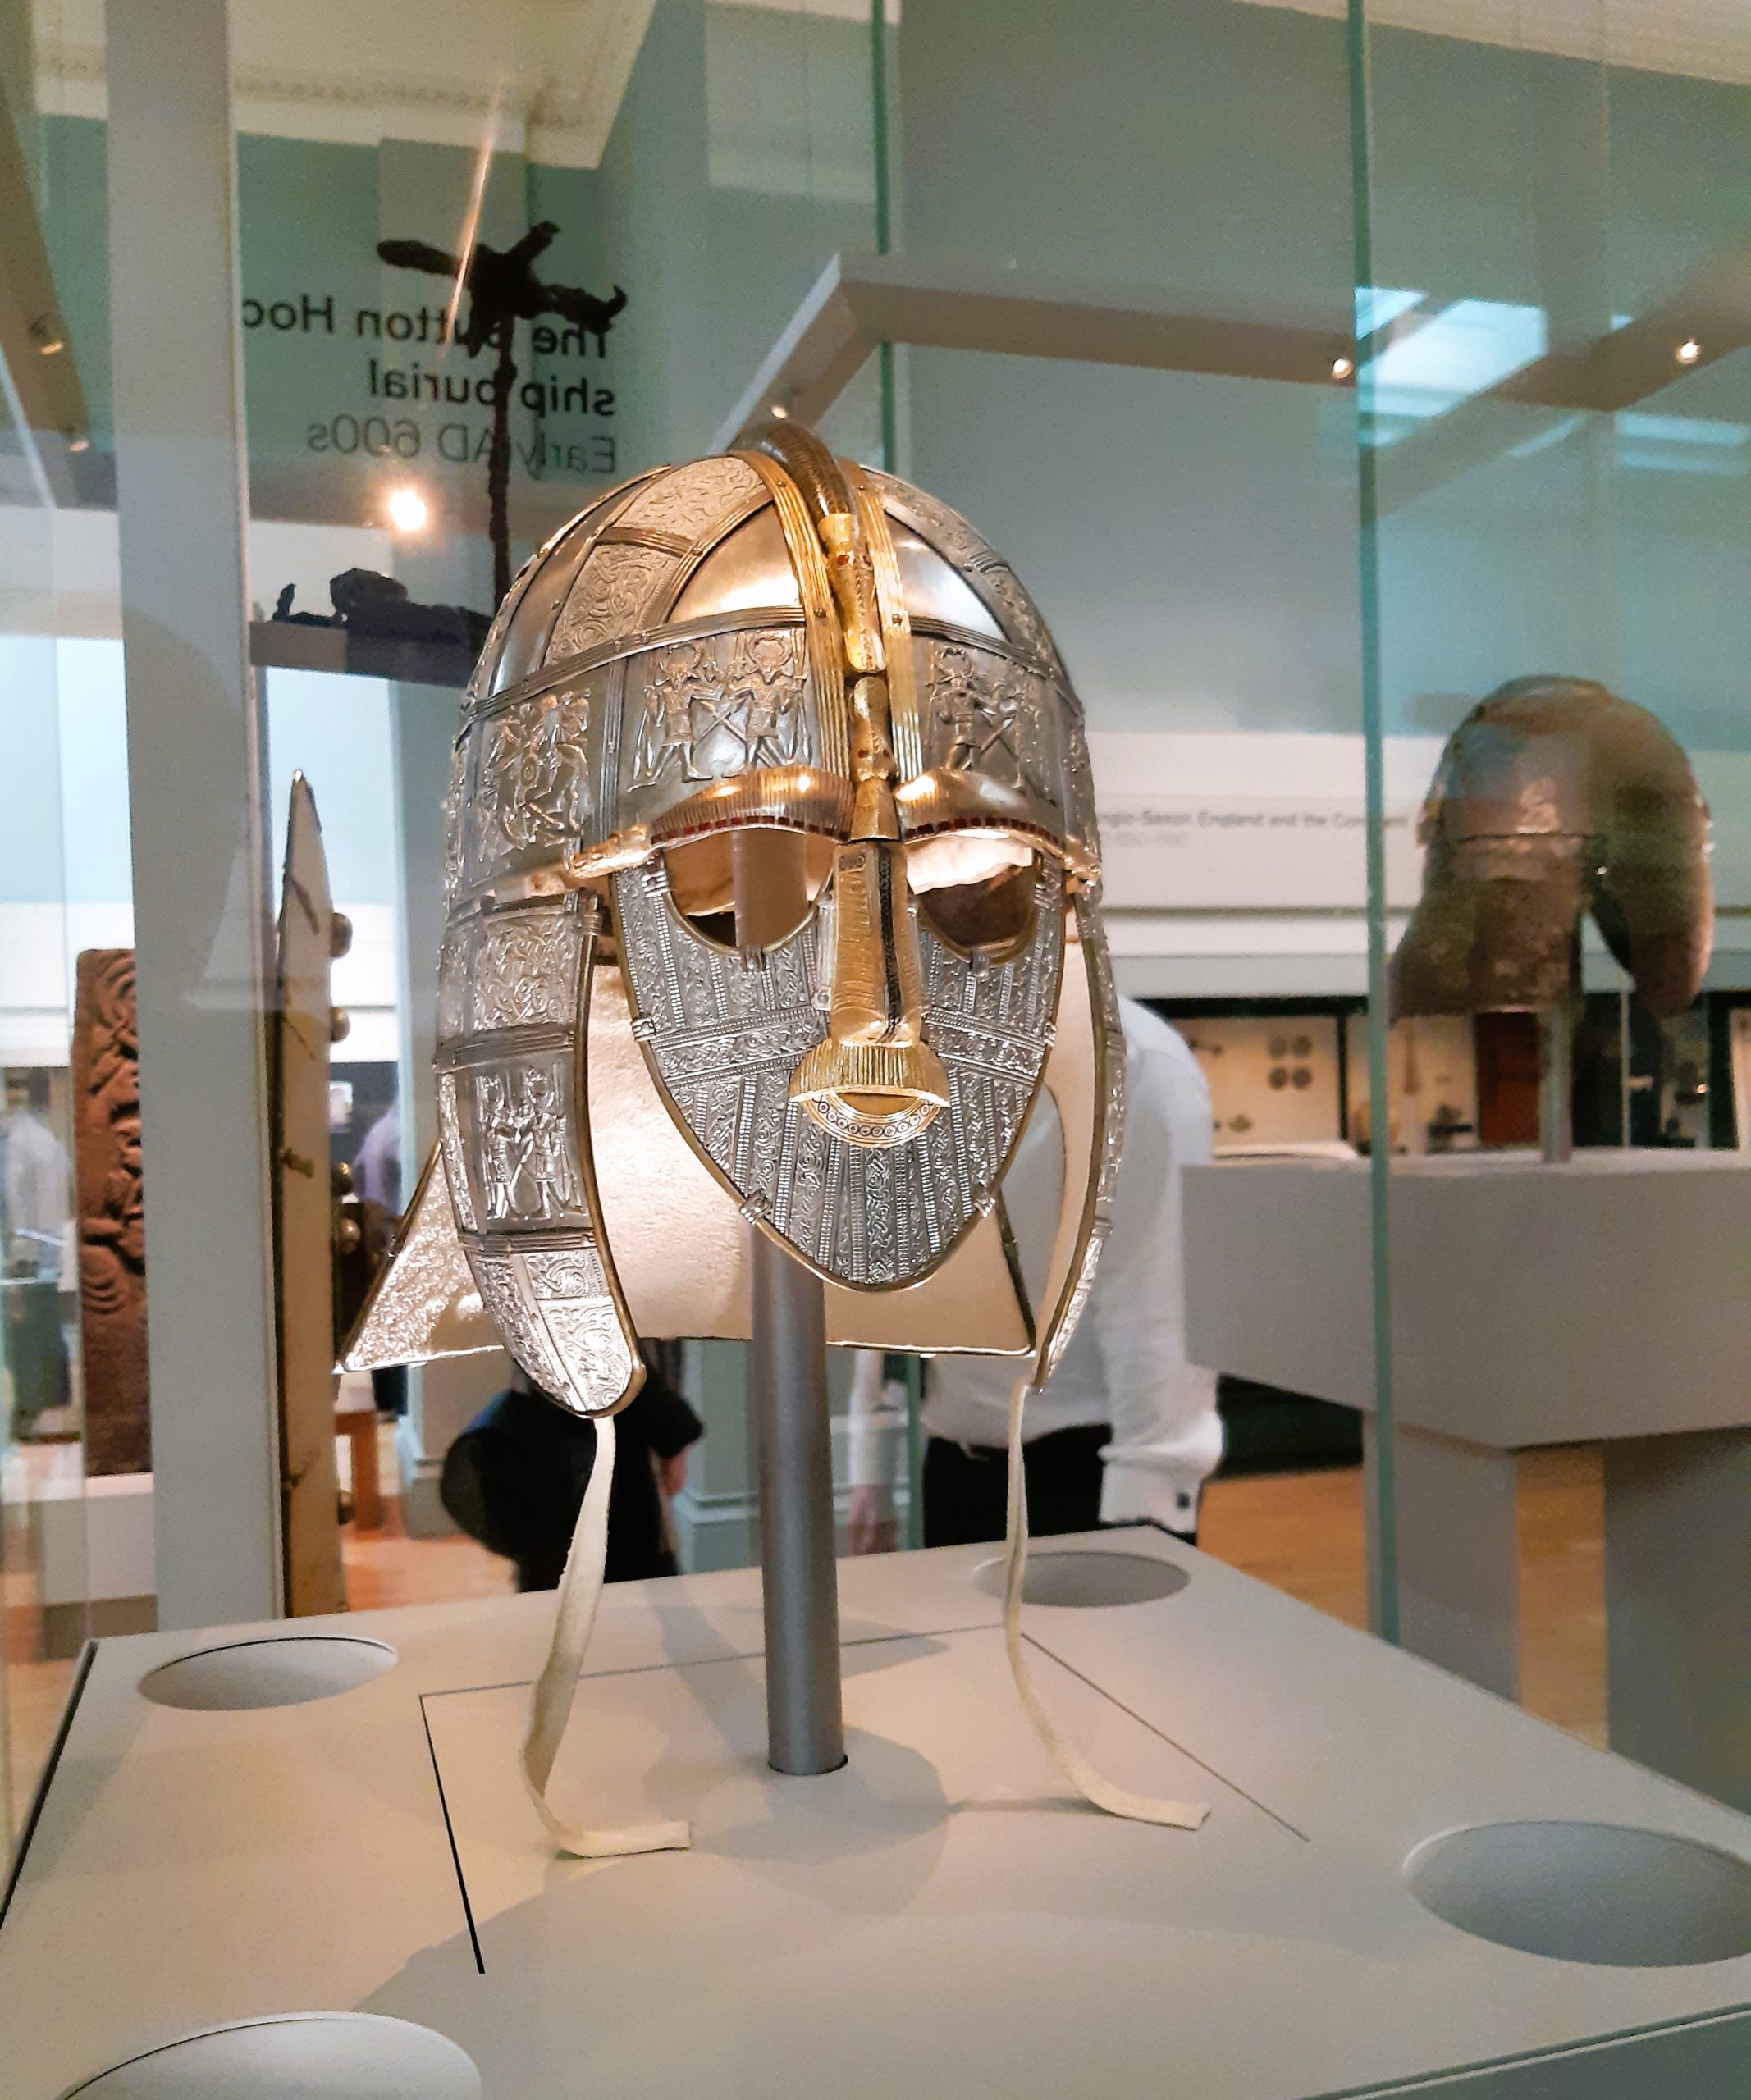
(278, 1670)
(1082, 1581)
(1602, 1893)
(300, 2055)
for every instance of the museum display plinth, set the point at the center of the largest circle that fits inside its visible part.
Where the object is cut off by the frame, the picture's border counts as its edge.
(1602, 1299)
(936, 1917)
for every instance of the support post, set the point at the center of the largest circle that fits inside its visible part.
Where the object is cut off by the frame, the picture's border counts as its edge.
(195, 790)
(788, 1397)
(1678, 1607)
(1556, 1084)
(1458, 1567)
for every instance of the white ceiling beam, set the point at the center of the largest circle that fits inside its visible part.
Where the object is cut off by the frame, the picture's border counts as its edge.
(860, 300)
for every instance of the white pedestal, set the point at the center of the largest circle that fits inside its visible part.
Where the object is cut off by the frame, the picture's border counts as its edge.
(91, 1545)
(938, 1917)
(1603, 1300)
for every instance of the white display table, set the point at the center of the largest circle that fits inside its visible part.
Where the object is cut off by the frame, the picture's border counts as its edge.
(1607, 1298)
(938, 1918)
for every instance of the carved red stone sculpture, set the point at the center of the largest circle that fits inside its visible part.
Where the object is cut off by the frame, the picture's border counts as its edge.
(111, 1213)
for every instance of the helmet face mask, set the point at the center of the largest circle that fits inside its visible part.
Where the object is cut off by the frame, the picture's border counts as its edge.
(886, 1165)
(771, 765)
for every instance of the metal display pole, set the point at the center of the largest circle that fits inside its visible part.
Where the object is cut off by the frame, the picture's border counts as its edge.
(1556, 1087)
(792, 1439)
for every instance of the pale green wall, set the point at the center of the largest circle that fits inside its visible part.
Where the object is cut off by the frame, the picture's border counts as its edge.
(716, 207)
(1192, 540)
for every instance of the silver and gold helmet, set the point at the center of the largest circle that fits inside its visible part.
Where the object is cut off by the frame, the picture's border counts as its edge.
(770, 823)
(1553, 798)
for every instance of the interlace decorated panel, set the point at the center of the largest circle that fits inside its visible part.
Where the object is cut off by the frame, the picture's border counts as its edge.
(987, 574)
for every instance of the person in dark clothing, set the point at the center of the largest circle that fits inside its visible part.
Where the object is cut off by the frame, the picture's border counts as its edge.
(514, 1479)
(966, 1490)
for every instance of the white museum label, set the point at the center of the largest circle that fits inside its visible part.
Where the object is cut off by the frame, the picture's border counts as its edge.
(1265, 852)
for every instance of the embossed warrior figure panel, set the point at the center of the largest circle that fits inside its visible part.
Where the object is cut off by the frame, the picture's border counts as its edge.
(984, 715)
(719, 706)
(534, 784)
(522, 1126)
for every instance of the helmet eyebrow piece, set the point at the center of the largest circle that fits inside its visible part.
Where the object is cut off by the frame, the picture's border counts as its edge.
(791, 798)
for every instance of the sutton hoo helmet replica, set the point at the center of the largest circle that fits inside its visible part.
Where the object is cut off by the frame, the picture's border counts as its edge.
(770, 823)
(1554, 798)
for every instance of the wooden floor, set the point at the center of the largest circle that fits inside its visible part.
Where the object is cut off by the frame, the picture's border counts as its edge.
(1301, 1532)
(387, 1567)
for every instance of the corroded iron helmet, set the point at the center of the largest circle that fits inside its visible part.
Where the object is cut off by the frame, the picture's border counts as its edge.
(1554, 798)
(770, 823)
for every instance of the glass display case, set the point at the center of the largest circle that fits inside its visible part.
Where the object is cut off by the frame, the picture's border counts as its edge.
(1323, 372)
(47, 914)
(500, 903)
(1551, 417)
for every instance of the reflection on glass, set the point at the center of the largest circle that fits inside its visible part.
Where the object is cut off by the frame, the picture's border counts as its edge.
(42, 1474)
(1558, 426)
(551, 258)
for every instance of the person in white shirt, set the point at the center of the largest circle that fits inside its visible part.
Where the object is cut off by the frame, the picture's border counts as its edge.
(36, 1209)
(37, 1182)
(1127, 1429)
(377, 1166)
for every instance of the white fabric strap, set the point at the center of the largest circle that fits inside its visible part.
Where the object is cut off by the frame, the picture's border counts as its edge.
(580, 1593)
(550, 1702)
(1135, 1808)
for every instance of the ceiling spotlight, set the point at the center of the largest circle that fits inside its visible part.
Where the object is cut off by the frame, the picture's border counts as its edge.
(1688, 350)
(780, 414)
(78, 444)
(409, 511)
(1341, 368)
(51, 345)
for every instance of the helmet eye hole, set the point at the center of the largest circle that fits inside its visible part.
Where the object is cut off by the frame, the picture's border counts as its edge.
(702, 878)
(991, 916)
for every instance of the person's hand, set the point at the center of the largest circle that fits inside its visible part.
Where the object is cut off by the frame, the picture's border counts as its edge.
(671, 1474)
(870, 1525)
